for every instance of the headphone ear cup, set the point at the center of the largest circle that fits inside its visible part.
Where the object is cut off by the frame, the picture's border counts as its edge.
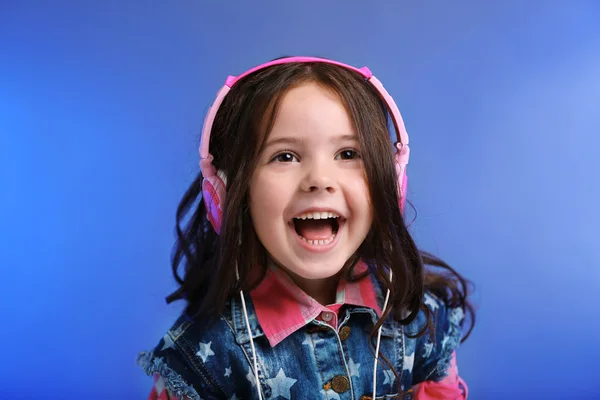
(213, 194)
(402, 190)
(401, 160)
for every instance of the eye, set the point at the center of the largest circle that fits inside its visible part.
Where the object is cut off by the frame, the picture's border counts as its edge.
(348, 154)
(285, 157)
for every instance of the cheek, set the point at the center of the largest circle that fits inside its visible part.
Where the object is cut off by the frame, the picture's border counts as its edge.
(254, 198)
(361, 195)
(266, 198)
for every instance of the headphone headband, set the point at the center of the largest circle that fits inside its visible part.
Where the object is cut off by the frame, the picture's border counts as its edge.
(401, 134)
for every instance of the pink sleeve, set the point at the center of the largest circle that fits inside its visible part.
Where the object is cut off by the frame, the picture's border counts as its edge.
(160, 392)
(452, 387)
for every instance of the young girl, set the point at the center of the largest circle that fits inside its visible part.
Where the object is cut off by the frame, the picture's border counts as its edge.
(301, 279)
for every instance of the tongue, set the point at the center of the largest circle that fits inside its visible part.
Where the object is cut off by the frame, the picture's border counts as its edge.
(314, 229)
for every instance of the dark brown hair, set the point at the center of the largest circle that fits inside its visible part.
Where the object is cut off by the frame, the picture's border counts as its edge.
(239, 131)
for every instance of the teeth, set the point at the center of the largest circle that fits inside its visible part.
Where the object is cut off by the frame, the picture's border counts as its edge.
(317, 215)
(319, 242)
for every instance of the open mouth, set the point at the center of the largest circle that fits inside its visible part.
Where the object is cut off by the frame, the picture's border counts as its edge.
(318, 228)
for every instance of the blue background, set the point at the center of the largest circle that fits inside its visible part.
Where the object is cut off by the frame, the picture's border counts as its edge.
(101, 105)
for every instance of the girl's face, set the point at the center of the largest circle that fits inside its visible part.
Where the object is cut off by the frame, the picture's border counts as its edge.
(309, 199)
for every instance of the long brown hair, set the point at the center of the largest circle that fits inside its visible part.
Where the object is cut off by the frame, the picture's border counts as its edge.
(240, 128)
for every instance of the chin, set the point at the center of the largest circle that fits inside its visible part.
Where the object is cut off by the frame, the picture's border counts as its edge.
(316, 270)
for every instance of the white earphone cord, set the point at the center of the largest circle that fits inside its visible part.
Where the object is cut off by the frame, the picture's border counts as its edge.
(258, 391)
(387, 297)
(256, 381)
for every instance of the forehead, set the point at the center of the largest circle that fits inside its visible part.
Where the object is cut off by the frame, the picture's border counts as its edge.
(311, 109)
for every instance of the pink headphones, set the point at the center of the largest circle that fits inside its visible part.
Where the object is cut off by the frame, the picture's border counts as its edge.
(215, 182)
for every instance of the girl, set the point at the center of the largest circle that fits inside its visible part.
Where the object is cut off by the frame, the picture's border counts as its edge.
(301, 279)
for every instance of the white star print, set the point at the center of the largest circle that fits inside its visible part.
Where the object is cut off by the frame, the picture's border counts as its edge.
(250, 376)
(389, 377)
(309, 341)
(227, 372)
(168, 342)
(409, 361)
(431, 302)
(280, 385)
(330, 394)
(204, 352)
(354, 368)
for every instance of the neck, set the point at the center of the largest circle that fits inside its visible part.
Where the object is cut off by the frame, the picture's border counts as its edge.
(322, 290)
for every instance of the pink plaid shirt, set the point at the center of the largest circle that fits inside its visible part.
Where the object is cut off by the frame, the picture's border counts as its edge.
(294, 309)
(282, 308)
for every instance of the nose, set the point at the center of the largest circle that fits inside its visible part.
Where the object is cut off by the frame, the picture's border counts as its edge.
(319, 176)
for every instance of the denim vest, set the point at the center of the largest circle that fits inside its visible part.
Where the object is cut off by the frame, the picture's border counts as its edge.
(214, 361)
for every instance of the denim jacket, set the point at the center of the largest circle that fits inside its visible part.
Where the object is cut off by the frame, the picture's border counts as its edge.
(198, 360)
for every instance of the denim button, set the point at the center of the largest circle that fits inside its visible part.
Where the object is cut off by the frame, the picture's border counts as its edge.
(340, 384)
(344, 332)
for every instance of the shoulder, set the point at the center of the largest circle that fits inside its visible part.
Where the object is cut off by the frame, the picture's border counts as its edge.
(180, 357)
(435, 347)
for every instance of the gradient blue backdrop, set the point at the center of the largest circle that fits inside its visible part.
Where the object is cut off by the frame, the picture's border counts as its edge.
(101, 104)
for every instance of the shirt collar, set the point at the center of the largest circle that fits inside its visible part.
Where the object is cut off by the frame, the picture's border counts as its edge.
(282, 308)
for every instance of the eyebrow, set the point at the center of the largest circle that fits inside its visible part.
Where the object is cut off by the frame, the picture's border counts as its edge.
(294, 140)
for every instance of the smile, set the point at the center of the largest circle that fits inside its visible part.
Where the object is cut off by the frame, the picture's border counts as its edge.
(317, 231)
